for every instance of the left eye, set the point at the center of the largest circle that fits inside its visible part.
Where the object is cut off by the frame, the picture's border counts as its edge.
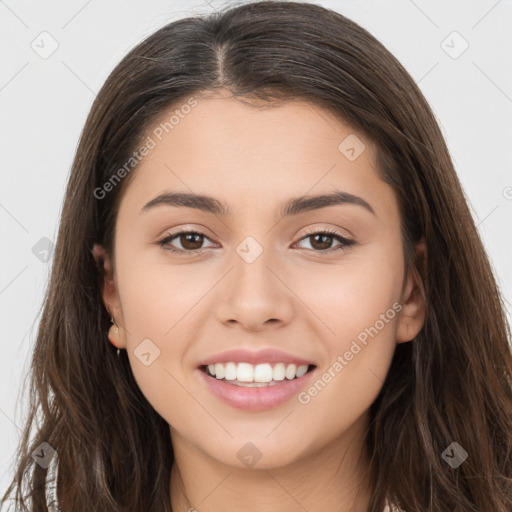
(191, 241)
(319, 239)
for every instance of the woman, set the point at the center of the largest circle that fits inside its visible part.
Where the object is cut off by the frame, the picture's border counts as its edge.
(268, 292)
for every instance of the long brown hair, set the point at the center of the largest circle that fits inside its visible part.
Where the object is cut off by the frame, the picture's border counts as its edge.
(452, 383)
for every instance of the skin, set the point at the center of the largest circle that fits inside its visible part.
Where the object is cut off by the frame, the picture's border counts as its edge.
(295, 296)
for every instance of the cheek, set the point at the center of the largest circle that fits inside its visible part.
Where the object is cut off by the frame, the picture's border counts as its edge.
(165, 303)
(352, 376)
(155, 296)
(350, 296)
(157, 303)
(359, 307)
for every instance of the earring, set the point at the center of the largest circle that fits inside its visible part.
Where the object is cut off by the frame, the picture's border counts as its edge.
(117, 328)
(117, 332)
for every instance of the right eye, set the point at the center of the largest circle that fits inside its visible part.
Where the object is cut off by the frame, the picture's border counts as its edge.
(189, 240)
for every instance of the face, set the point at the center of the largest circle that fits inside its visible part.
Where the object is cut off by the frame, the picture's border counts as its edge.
(321, 281)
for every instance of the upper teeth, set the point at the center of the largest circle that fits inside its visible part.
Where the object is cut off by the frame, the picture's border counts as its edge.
(245, 372)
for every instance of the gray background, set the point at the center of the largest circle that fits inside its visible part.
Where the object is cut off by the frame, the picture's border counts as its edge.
(44, 100)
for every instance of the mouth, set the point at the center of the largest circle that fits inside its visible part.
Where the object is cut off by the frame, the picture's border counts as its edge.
(257, 387)
(256, 376)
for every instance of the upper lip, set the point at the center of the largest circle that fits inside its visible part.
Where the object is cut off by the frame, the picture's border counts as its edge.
(267, 355)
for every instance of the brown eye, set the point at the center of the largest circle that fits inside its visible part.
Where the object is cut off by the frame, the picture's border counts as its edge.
(322, 241)
(190, 241)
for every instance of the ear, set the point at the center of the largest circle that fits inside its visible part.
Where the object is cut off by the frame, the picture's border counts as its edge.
(110, 295)
(413, 313)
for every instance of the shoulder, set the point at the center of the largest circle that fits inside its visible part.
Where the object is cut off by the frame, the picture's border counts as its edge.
(52, 502)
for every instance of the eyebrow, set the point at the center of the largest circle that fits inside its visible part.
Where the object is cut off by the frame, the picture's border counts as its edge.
(293, 206)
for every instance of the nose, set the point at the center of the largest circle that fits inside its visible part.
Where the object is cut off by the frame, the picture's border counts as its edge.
(255, 296)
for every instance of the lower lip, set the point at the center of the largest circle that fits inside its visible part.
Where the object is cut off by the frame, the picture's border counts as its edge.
(255, 399)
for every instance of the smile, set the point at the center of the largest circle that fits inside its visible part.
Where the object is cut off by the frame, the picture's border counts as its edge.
(255, 387)
(246, 374)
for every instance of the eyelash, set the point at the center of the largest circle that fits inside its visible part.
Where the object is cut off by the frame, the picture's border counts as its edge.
(163, 243)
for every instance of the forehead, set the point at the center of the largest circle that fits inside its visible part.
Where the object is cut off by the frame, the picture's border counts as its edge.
(252, 153)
